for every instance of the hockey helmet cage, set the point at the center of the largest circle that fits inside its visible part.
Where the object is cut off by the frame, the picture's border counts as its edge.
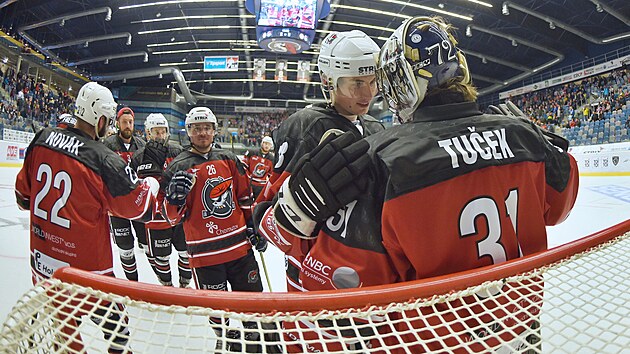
(199, 115)
(156, 120)
(419, 56)
(66, 120)
(94, 101)
(345, 54)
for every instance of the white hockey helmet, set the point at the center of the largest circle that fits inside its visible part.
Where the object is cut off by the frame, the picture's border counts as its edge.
(199, 115)
(267, 139)
(156, 120)
(346, 54)
(93, 102)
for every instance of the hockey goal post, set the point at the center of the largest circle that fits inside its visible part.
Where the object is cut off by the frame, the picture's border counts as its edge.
(571, 299)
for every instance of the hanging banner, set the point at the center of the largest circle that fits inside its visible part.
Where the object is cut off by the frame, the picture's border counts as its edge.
(220, 63)
(304, 71)
(260, 67)
(281, 70)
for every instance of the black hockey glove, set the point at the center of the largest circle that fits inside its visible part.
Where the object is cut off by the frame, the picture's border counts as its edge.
(153, 159)
(179, 187)
(324, 181)
(510, 109)
(258, 242)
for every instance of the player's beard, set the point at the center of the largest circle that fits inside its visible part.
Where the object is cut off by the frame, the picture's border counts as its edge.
(126, 134)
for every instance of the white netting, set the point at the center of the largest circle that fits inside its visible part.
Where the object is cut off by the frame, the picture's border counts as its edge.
(580, 304)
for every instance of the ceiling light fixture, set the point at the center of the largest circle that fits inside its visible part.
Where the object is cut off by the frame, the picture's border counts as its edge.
(482, 3)
(599, 8)
(552, 25)
(514, 43)
(504, 9)
(193, 28)
(468, 31)
(426, 8)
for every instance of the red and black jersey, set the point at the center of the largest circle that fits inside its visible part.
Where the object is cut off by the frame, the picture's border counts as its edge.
(116, 144)
(259, 166)
(295, 137)
(174, 149)
(452, 190)
(216, 208)
(70, 183)
(300, 134)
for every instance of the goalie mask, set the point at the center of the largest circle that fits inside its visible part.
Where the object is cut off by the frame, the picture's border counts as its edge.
(418, 57)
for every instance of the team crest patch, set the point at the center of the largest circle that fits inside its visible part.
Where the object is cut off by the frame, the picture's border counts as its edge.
(217, 198)
(615, 160)
(252, 276)
(260, 170)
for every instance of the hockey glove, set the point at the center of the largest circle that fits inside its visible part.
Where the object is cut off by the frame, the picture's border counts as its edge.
(324, 181)
(257, 241)
(510, 109)
(179, 187)
(153, 159)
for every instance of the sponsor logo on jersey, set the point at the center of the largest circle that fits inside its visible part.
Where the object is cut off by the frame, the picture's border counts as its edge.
(61, 141)
(48, 237)
(46, 265)
(217, 198)
(487, 145)
(317, 265)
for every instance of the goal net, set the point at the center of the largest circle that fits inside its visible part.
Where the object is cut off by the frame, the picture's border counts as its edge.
(570, 299)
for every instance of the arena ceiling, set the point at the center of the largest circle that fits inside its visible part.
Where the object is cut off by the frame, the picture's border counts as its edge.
(506, 41)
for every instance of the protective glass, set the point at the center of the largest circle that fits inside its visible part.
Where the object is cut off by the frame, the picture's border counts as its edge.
(357, 87)
(197, 129)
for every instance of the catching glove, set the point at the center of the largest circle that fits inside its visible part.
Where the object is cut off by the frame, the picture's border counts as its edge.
(324, 181)
(179, 187)
(153, 159)
(510, 109)
(257, 241)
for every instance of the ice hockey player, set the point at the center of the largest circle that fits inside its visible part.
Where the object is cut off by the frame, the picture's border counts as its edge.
(126, 144)
(450, 189)
(349, 89)
(208, 191)
(70, 182)
(152, 160)
(259, 163)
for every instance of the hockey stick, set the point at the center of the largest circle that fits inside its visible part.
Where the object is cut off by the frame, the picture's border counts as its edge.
(262, 259)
